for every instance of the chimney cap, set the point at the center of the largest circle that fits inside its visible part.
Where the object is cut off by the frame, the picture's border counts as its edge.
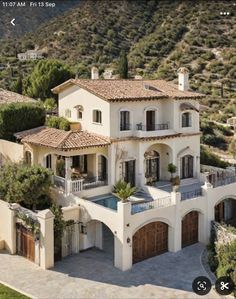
(183, 70)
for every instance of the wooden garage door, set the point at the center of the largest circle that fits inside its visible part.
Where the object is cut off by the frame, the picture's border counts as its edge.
(150, 240)
(190, 229)
(25, 243)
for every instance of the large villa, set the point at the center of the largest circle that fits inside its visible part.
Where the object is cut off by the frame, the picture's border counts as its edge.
(129, 130)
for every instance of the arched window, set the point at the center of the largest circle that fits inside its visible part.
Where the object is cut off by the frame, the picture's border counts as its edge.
(28, 158)
(152, 159)
(124, 120)
(79, 111)
(187, 167)
(97, 116)
(48, 161)
(186, 120)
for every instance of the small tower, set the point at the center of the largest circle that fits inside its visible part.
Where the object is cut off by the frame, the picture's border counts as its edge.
(94, 73)
(183, 79)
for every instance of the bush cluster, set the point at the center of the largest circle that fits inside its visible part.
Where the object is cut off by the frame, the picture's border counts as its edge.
(208, 158)
(56, 122)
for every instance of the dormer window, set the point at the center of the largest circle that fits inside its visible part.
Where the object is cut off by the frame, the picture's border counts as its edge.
(97, 116)
(79, 111)
(186, 120)
(68, 113)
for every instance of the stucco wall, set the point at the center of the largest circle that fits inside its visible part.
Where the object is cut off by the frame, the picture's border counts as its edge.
(73, 96)
(10, 152)
(7, 227)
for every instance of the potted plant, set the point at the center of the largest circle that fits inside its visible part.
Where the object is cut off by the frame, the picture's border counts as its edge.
(175, 183)
(123, 190)
(171, 169)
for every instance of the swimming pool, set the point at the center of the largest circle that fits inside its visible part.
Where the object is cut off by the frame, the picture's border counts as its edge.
(108, 201)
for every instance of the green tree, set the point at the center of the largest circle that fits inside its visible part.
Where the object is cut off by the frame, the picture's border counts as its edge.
(18, 85)
(26, 185)
(50, 104)
(46, 75)
(123, 65)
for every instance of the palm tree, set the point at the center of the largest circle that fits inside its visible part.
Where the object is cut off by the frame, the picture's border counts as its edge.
(123, 190)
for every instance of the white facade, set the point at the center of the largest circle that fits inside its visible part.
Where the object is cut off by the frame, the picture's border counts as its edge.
(30, 55)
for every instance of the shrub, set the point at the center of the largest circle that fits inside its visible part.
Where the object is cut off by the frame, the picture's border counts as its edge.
(208, 158)
(18, 117)
(58, 123)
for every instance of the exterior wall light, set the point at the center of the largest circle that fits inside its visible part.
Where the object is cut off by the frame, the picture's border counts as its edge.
(128, 240)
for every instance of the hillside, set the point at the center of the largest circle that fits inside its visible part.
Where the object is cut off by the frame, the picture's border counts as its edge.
(159, 36)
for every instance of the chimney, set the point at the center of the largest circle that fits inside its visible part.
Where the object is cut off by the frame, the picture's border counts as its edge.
(183, 79)
(94, 73)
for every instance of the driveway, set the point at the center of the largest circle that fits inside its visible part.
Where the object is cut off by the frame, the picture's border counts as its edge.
(91, 275)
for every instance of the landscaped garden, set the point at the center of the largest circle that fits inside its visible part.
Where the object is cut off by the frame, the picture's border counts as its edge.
(7, 293)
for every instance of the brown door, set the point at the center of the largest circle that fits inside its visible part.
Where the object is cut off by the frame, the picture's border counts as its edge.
(25, 243)
(150, 120)
(150, 240)
(219, 212)
(190, 229)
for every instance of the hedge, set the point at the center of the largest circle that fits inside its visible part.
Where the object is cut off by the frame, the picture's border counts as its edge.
(16, 117)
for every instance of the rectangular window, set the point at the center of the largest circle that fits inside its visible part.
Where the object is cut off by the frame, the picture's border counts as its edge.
(186, 120)
(124, 121)
(68, 113)
(79, 114)
(97, 116)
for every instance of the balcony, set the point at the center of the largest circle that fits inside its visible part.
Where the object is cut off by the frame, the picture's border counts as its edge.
(153, 130)
(152, 127)
(155, 204)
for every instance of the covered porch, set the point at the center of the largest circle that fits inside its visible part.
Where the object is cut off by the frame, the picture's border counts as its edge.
(76, 173)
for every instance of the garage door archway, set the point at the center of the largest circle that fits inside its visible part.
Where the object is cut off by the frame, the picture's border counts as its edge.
(150, 240)
(190, 227)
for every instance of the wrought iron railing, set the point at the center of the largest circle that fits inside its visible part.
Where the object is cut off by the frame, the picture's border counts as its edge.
(224, 181)
(191, 194)
(155, 204)
(125, 127)
(154, 127)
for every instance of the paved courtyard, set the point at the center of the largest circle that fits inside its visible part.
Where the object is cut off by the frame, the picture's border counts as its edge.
(91, 275)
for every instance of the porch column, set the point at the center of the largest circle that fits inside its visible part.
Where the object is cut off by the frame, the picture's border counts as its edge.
(46, 220)
(112, 165)
(68, 165)
(141, 170)
(123, 238)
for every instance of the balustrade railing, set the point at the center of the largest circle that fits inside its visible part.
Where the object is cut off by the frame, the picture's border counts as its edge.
(152, 127)
(158, 203)
(224, 181)
(191, 194)
(60, 182)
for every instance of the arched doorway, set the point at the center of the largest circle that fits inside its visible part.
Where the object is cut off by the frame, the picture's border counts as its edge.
(152, 161)
(225, 211)
(186, 167)
(150, 240)
(190, 228)
(48, 161)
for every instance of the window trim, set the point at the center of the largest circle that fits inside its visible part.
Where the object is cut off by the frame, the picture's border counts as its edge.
(190, 120)
(130, 117)
(67, 110)
(94, 121)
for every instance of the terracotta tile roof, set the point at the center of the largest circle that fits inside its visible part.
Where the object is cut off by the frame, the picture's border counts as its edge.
(7, 97)
(62, 140)
(128, 90)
